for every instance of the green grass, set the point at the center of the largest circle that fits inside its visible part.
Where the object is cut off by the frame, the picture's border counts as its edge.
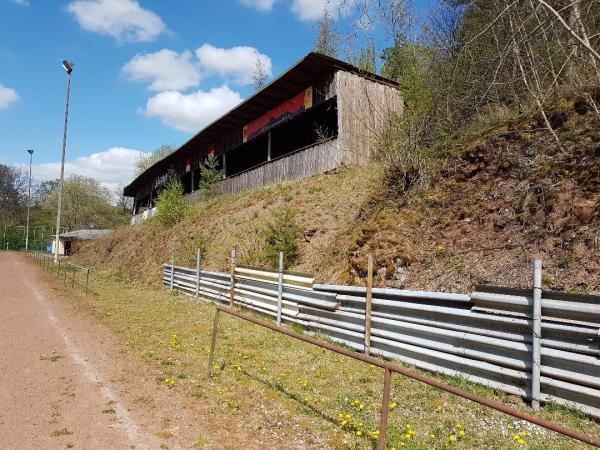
(332, 398)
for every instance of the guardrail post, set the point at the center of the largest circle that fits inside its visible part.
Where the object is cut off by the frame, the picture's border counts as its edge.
(197, 272)
(232, 287)
(213, 341)
(385, 408)
(280, 289)
(172, 270)
(537, 334)
(368, 305)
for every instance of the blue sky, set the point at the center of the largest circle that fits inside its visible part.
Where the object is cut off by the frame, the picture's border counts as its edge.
(147, 73)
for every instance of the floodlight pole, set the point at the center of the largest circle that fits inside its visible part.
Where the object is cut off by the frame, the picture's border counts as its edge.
(28, 201)
(68, 68)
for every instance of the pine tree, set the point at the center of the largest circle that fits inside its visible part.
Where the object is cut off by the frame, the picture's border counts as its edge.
(210, 175)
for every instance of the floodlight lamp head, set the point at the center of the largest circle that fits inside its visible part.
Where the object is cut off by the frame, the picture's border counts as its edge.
(68, 66)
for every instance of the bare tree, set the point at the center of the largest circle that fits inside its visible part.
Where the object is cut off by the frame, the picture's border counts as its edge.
(259, 76)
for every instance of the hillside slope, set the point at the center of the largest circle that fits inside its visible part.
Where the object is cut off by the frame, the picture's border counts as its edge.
(499, 199)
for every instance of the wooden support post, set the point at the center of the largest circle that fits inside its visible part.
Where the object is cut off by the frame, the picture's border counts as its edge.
(269, 146)
(213, 341)
(280, 289)
(172, 270)
(536, 335)
(368, 306)
(385, 409)
(197, 272)
(73, 280)
(232, 286)
(87, 280)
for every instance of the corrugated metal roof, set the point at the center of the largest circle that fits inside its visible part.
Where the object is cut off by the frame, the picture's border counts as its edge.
(305, 72)
(86, 234)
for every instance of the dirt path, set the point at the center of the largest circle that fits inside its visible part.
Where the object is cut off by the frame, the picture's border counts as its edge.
(65, 382)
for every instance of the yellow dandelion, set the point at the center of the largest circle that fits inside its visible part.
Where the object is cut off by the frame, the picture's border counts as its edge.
(432, 436)
(348, 416)
(361, 406)
(393, 405)
(461, 433)
(402, 444)
(516, 437)
(520, 441)
(344, 422)
(408, 425)
(439, 408)
(359, 433)
(523, 433)
(341, 416)
(452, 438)
(458, 426)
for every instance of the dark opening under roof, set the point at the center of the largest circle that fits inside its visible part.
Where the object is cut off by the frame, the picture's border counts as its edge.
(309, 69)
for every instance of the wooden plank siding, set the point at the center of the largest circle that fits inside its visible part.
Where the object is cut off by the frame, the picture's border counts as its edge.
(365, 109)
(313, 160)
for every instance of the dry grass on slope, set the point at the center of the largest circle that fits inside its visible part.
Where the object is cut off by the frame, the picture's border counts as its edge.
(326, 206)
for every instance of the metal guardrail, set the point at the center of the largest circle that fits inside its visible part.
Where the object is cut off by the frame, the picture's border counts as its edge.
(441, 332)
(388, 370)
(62, 269)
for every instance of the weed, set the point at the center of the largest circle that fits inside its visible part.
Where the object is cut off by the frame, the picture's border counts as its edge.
(198, 395)
(61, 432)
(164, 434)
(109, 411)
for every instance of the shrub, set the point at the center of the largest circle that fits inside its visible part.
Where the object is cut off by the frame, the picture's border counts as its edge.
(171, 204)
(281, 235)
(210, 175)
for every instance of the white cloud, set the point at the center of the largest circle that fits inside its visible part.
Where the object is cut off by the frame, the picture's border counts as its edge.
(166, 69)
(112, 167)
(236, 63)
(7, 96)
(125, 20)
(21, 2)
(313, 9)
(261, 5)
(190, 112)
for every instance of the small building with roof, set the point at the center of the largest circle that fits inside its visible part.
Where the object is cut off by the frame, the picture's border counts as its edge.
(320, 114)
(71, 241)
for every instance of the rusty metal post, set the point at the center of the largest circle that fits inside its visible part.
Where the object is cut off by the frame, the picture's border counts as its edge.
(87, 280)
(232, 286)
(280, 289)
(213, 341)
(197, 272)
(172, 270)
(385, 409)
(58, 273)
(536, 335)
(368, 305)
(73, 280)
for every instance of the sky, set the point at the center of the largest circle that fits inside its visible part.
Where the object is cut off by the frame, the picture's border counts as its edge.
(146, 73)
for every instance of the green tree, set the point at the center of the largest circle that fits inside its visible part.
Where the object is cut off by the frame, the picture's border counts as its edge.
(210, 175)
(144, 162)
(281, 235)
(328, 38)
(367, 58)
(171, 204)
(13, 193)
(86, 204)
